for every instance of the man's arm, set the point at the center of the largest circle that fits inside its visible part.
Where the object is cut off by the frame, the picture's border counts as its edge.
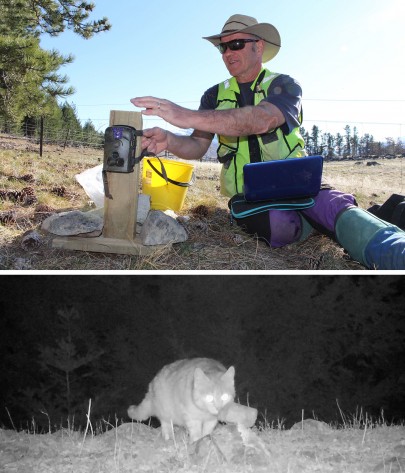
(250, 120)
(194, 146)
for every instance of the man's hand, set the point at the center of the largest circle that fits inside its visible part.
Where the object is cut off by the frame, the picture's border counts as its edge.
(155, 140)
(169, 111)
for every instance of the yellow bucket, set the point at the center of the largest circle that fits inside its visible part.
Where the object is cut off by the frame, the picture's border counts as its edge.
(166, 181)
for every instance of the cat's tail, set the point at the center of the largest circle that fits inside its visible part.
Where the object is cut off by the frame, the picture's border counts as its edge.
(141, 412)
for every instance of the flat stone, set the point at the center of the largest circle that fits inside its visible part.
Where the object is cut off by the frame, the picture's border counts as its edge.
(73, 223)
(161, 229)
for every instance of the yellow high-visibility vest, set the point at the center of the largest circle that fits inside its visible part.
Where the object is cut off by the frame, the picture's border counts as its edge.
(233, 152)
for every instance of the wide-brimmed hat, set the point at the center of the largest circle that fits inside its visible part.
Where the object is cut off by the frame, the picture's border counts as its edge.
(247, 24)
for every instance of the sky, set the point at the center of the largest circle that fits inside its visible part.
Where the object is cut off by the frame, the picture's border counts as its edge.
(346, 54)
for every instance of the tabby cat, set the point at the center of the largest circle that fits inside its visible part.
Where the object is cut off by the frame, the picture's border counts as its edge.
(188, 393)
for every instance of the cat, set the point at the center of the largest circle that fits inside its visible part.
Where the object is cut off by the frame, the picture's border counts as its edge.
(189, 393)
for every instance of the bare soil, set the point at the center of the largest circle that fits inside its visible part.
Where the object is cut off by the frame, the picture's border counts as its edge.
(310, 446)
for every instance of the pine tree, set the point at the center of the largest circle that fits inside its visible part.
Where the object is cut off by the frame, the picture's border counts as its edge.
(28, 77)
(315, 138)
(330, 143)
(339, 144)
(33, 17)
(28, 74)
(355, 142)
(91, 135)
(347, 149)
(71, 123)
(73, 352)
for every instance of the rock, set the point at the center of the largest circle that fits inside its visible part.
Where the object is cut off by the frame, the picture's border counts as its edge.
(311, 425)
(143, 208)
(161, 229)
(21, 264)
(73, 223)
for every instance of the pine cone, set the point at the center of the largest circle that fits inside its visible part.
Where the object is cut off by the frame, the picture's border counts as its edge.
(59, 191)
(28, 196)
(30, 240)
(8, 217)
(30, 200)
(14, 196)
(27, 178)
(42, 212)
(200, 211)
(28, 191)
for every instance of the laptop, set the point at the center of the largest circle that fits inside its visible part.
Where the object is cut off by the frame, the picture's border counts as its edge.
(283, 179)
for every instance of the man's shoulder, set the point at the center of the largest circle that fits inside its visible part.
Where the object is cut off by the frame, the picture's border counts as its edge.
(282, 79)
(284, 84)
(209, 99)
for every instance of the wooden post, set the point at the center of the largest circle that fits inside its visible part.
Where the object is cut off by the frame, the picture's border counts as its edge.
(120, 211)
(119, 232)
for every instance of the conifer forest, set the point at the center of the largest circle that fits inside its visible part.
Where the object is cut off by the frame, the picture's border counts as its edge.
(313, 344)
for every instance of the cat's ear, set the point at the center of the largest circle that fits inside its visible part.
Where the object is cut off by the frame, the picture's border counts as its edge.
(230, 373)
(200, 376)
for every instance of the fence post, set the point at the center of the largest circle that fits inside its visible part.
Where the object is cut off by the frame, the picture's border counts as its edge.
(66, 139)
(41, 136)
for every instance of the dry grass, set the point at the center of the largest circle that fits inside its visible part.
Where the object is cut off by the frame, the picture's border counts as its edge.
(213, 243)
(362, 444)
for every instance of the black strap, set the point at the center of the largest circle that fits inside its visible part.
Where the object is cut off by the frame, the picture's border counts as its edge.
(144, 154)
(105, 182)
(253, 141)
(163, 174)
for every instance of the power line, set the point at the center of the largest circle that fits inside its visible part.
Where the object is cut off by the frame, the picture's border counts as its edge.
(353, 100)
(350, 121)
(304, 99)
(306, 120)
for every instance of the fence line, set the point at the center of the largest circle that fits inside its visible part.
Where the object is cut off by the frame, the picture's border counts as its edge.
(53, 135)
(65, 136)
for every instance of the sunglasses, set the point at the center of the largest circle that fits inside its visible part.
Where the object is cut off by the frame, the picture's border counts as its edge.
(235, 44)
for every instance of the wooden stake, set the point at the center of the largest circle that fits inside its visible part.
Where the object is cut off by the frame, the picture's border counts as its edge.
(120, 212)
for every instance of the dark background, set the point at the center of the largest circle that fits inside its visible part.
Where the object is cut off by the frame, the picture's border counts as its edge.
(312, 343)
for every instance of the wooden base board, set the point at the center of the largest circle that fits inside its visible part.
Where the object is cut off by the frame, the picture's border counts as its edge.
(105, 245)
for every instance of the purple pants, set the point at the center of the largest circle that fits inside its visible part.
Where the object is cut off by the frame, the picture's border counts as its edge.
(286, 226)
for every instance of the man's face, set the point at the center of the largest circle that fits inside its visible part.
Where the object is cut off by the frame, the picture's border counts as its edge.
(246, 63)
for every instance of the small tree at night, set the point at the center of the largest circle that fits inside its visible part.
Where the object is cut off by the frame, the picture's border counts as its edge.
(67, 360)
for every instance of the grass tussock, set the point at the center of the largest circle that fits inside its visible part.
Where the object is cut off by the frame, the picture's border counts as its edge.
(33, 187)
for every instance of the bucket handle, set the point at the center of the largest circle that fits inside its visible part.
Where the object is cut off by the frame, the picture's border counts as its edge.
(163, 174)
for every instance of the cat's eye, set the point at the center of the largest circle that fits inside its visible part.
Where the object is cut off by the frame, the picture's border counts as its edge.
(209, 397)
(225, 397)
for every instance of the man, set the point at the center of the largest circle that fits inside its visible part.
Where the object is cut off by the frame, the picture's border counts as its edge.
(256, 115)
